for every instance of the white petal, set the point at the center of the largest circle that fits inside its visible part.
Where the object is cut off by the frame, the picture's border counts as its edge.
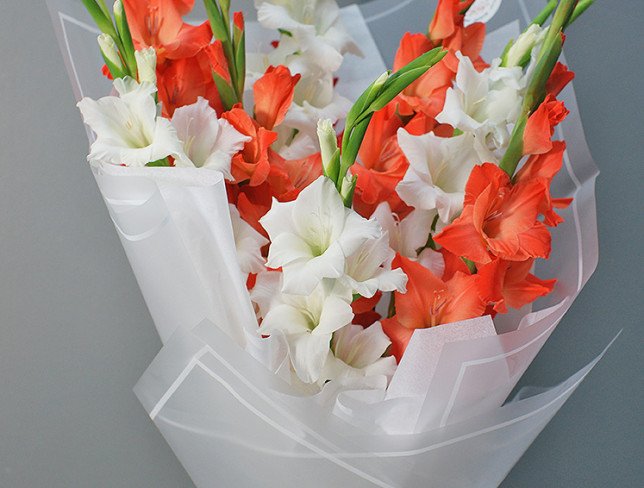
(336, 313)
(308, 354)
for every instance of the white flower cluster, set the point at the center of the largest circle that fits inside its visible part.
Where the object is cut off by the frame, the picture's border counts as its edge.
(313, 43)
(483, 107)
(328, 254)
(130, 132)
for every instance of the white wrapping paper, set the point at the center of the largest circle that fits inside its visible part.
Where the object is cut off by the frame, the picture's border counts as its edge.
(233, 423)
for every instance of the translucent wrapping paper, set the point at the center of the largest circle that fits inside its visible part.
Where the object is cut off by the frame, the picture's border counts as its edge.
(445, 420)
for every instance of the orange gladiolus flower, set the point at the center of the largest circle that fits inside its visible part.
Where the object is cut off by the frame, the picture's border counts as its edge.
(541, 126)
(498, 220)
(544, 167)
(426, 94)
(159, 24)
(287, 178)
(559, 78)
(381, 164)
(510, 284)
(250, 165)
(447, 29)
(182, 81)
(364, 310)
(429, 302)
(274, 95)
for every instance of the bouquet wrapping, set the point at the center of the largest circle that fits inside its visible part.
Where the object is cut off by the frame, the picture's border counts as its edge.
(445, 419)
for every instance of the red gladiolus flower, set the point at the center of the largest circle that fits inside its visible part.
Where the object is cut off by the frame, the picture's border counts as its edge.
(381, 164)
(250, 165)
(429, 302)
(158, 24)
(510, 284)
(559, 78)
(498, 220)
(274, 95)
(541, 126)
(363, 310)
(182, 81)
(287, 178)
(544, 167)
(447, 29)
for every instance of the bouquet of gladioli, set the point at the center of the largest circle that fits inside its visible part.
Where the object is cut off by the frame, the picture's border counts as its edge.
(341, 264)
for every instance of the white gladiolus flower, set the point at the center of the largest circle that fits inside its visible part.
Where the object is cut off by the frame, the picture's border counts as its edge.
(128, 130)
(315, 99)
(248, 243)
(312, 236)
(306, 322)
(208, 142)
(439, 168)
(484, 103)
(357, 353)
(313, 26)
(408, 235)
(369, 269)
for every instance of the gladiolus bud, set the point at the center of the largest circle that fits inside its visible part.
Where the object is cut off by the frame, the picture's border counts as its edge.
(328, 145)
(111, 56)
(118, 11)
(519, 52)
(146, 61)
(109, 50)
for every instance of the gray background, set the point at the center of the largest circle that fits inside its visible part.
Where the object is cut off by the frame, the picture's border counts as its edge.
(75, 334)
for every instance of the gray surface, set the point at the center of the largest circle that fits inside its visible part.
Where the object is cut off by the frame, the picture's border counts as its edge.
(75, 334)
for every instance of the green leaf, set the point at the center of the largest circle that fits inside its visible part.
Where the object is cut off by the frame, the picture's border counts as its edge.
(159, 162)
(103, 21)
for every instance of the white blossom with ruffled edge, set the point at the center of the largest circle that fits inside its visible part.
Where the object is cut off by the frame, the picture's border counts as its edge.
(208, 142)
(484, 103)
(368, 270)
(315, 99)
(128, 130)
(248, 243)
(439, 168)
(312, 28)
(312, 236)
(307, 322)
(357, 352)
(408, 235)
